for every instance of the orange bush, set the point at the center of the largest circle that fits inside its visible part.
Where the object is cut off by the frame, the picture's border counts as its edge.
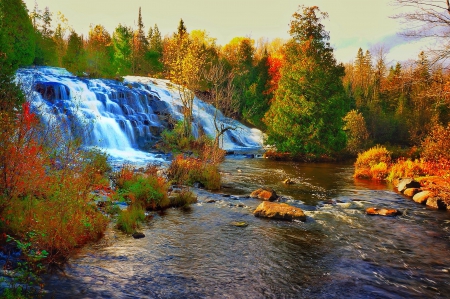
(373, 163)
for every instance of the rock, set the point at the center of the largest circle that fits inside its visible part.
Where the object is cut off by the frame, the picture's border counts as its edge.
(138, 235)
(211, 201)
(423, 196)
(280, 211)
(264, 194)
(407, 183)
(198, 185)
(239, 223)
(382, 211)
(436, 202)
(411, 191)
(288, 181)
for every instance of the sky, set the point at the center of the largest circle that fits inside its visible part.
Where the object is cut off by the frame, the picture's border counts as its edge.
(352, 24)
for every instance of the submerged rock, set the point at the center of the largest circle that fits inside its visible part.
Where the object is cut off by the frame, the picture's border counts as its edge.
(264, 194)
(382, 211)
(138, 235)
(239, 223)
(288, 181)
(280, 211)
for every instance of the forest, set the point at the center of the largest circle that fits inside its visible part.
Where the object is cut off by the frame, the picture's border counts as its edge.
(373, 102)
(310, 106)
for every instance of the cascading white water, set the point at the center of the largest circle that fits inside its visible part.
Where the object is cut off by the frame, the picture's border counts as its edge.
(124, 118)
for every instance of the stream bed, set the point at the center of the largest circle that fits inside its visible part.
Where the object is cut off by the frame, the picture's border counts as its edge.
(339, 252)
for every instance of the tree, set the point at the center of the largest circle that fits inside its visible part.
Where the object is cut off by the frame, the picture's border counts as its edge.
(184, 60)
(99, 52)
(74, 59)
(306, 115)
(140, 48)
(155, 51)
(18, 45)
(427, 19)
(122, 42)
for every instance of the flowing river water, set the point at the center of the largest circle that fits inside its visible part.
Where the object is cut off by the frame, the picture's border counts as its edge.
(339, 252)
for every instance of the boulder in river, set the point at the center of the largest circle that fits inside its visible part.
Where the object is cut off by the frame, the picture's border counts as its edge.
(410, 192)
(382, 211)
(280, 211)
(264, 194)
(407, 183)
(436, 203)
(423, 196)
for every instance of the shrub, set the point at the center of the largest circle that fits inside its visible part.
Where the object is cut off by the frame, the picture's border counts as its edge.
(436, 145)
(130, 219)
(182, 198)
(148, 191)
(406, 169)
(373, 163)
(187, 170)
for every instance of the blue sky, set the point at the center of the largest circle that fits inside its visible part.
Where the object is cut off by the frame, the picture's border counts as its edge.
(351, 23)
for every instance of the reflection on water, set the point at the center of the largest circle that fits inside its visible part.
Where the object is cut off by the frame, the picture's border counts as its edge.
(339, 252)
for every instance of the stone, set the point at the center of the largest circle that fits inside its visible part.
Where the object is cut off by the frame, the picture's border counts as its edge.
(423, 196)
(411, 191)
(264, 194)
(281, 211)
(138, 235)
(382, 211)
(407, 183)
(288, 181)
(436, 203)
(239, 223)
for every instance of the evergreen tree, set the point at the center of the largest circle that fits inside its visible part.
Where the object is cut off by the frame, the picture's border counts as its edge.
(306, 116)
(74, 59)
(122, 42)
(18, 45)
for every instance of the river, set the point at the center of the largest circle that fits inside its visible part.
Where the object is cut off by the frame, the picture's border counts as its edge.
(339, 252)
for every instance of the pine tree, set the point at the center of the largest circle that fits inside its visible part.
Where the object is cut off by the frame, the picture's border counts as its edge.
(309, 105)
(18, 45)
(122, 42)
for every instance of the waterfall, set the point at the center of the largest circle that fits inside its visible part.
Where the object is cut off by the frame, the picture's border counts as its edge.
(123, 118)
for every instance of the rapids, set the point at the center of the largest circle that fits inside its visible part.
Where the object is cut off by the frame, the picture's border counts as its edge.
(339, 252)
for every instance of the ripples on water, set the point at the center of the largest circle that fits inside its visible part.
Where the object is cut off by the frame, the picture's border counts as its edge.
(339, 252)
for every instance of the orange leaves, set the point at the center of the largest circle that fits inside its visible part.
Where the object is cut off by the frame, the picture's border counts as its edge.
(275, 62)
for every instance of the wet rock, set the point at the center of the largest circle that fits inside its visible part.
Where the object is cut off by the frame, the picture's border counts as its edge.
(411, 191)
(199, 185)
(288, 181)
(138, 235)
(264, 194)
(239, 223)
(382, 211)
(281, 211)
(211, 201)
(423, 196)
(407, 183)
(436, 203)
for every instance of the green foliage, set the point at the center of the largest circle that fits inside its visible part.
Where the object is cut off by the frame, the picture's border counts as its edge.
(130, 219)
(17, 46)
(148, 191)
(75, 58)
(122, 41)
(306, 116)
(355, 128)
